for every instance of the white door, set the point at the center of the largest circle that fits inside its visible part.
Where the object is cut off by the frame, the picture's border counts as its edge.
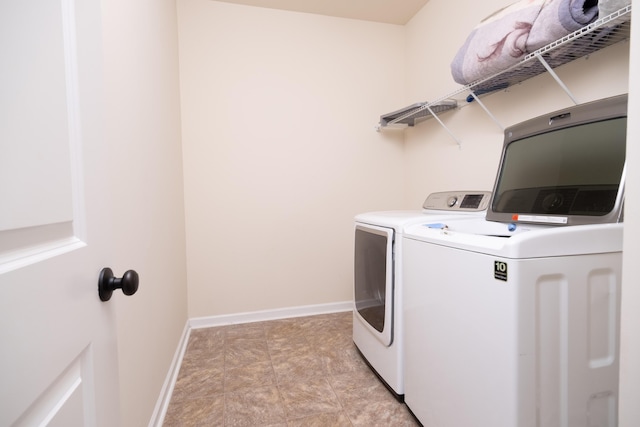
(58, 354)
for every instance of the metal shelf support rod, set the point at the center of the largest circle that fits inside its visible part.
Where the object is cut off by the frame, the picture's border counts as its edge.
(486, 110)
(444, 126)
(556, 78)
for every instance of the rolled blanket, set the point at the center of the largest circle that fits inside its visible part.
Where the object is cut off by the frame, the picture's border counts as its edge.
(498, 42)
(558, 18)
(504, 38)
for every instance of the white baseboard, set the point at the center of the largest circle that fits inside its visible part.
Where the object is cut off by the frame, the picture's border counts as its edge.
(261, 316)
(162, 405)
(230, 319)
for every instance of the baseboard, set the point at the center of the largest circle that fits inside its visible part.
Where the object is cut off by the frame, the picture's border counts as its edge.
(261, 316)
(162, 405)
(229, 319)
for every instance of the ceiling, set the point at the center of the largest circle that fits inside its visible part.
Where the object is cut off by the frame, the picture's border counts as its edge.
(387, 11)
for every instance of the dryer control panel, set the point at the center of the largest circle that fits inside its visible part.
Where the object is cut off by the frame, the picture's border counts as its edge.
(461, 201)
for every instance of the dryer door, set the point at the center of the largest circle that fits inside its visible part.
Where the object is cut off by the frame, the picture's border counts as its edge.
(374, 280)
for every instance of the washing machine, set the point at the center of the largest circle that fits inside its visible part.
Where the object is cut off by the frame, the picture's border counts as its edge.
(512, 320)
(512, 331)
(377, 322)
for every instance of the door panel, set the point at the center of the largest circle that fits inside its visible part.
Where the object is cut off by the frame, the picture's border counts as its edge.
(66, 401)
(39, 132)
(35, 179)
(58, 364)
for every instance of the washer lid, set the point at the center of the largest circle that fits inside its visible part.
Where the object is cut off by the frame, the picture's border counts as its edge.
(564, 168)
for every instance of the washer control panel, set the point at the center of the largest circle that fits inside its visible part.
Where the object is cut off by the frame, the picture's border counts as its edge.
(463, 201)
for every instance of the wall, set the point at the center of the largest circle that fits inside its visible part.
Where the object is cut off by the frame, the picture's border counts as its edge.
(280, 150)
(143, 127)
(433, 160)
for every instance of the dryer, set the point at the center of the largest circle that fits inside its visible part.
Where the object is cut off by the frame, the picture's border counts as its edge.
(377, 319)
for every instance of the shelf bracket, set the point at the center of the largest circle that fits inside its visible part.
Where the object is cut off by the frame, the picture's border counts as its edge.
(444, 126)
(486, 110)
(556, 78)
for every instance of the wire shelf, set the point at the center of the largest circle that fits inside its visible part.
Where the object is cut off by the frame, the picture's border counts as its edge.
(415, 113)
(602, 33)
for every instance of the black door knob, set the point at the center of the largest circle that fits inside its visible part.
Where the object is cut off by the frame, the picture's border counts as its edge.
(107, 283)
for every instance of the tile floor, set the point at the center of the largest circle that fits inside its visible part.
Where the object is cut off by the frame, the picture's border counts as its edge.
(301, 371)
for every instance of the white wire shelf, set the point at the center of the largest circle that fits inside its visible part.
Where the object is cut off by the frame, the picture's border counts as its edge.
(602, 33)
(416, 113)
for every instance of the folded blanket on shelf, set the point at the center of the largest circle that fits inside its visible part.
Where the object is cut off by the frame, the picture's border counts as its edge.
(504, 38)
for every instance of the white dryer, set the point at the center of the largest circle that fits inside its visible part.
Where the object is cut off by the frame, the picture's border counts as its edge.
(513, 320)
(377, 322)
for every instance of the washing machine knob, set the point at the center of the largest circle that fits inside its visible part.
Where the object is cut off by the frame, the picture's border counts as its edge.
(451, 201)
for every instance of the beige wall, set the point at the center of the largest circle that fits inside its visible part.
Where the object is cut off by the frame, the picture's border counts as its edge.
(143, 128)
(280, 150)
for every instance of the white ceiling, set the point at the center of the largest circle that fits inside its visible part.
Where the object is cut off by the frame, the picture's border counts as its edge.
(388, 11)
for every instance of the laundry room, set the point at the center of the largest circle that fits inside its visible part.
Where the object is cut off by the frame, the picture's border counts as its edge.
(282, 143)
(229, 151)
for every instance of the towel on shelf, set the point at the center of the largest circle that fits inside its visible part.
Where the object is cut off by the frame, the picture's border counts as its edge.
(504, 38)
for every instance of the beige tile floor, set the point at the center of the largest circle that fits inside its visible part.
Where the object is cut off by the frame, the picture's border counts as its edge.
(301, 371)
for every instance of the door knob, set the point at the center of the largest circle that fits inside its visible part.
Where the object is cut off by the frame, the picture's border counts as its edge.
(107, 283)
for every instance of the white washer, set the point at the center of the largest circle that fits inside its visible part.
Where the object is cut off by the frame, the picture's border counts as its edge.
(513, 320)
(512, 331)
(377, 323)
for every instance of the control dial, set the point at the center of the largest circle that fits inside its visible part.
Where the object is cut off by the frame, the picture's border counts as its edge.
(451, 201)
